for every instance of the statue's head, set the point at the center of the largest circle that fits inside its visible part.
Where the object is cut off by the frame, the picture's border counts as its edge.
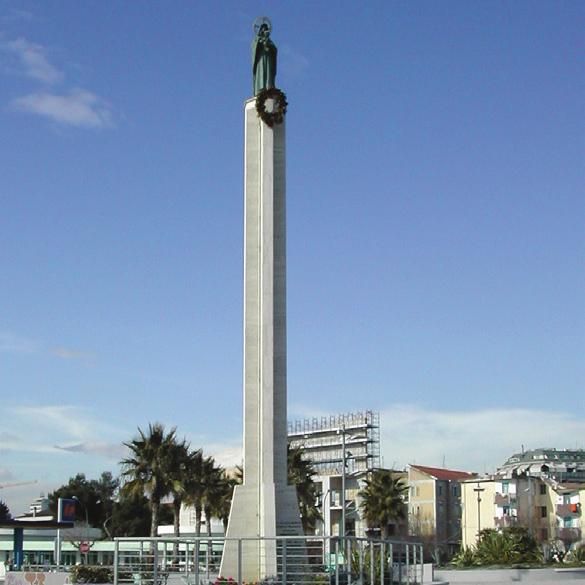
(262, 26)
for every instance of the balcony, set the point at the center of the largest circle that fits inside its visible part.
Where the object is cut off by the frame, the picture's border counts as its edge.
(565, 510)
(505, 500)
(569, 534)
(505, 521)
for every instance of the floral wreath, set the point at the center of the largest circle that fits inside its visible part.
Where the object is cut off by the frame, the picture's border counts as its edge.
(280, 105)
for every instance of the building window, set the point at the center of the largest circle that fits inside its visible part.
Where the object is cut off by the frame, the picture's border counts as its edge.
(543, 511)
(92, 558)
(68, 558)
(505, 487)
(543, 534)
(417, 491)
(440, 490)
(454, 491)
(543, 489)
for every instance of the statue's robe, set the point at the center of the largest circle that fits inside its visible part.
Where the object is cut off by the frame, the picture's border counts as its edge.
(263, 63)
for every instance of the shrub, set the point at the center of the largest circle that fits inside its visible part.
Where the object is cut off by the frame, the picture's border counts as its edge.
(91, 574)
(366, 578)
(465, 557)
(577, 555)
(512, 546)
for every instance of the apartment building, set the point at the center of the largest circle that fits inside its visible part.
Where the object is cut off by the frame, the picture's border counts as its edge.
(434, 506)
(492, 502)
(551, 511)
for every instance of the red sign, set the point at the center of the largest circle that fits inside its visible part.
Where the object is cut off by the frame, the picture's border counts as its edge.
(84, 547)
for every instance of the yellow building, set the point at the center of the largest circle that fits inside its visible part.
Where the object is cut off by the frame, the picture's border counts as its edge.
(478, 508)
(499, 502)
(550, 511)
(434, 507)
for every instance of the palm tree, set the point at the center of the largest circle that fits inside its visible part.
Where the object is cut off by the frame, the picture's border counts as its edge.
(179, 469)
(383, 500)
(300, 474)
(218, 497)
(212, 486)
(181, 466)
(223, 503)
(146, 471)
(197, 485)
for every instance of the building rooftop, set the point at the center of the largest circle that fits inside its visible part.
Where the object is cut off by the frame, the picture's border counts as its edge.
(444, 474)
(563, 465)
(544, 454)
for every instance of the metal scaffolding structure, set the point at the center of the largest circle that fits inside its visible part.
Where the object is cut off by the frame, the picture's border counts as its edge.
(321, 439)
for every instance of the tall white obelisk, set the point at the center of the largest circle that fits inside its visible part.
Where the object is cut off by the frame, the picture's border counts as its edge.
(265, 505)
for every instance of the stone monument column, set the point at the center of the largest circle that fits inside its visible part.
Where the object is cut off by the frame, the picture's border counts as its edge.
(264, 506)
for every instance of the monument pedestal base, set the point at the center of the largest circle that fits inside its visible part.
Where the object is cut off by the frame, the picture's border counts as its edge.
(259, 556)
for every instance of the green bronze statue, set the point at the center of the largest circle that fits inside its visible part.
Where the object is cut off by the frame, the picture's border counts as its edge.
(263, 56)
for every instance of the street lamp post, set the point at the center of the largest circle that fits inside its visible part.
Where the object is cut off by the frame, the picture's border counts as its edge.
(478, 491)
(343, 463)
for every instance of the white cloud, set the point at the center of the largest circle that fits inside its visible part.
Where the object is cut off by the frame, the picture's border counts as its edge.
(61, 430)
(473, 440)
(34, 61)
(298, 411)
(5, 474)
(72, 354)
(226, 454)
(79, 108)
(15, 14)
(76, 107)
(70, 421)
(470, 440)
(15, 344)
(15, 445)
(51, 443)
(115, 451)
(11, 343)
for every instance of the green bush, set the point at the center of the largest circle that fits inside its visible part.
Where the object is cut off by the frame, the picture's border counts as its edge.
(366, 566)
(577, 555)
(91, 574)
(465, 557)
(511, 546)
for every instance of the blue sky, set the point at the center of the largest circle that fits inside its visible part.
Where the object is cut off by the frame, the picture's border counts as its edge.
(435, 226)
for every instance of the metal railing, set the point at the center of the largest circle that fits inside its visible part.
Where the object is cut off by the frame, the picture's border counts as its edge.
(295, 560)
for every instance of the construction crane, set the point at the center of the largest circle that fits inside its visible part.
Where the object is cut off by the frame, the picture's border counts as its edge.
(16, 484)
